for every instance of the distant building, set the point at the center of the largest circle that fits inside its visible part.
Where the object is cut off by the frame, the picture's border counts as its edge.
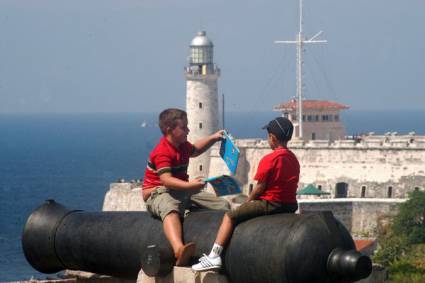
(321, 119)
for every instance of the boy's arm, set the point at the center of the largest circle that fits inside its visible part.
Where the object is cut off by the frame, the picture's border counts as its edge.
(173, 183)
(205, 143)
(258, 189)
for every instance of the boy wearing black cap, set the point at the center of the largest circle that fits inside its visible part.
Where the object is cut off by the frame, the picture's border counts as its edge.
(275, 192)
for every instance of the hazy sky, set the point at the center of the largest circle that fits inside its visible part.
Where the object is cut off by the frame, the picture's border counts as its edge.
(128, 56)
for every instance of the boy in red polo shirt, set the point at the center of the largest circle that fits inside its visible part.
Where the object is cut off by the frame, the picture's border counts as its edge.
(275, 192)
(167, 190)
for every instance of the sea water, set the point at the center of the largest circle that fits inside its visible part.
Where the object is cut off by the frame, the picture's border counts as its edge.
(73, 158)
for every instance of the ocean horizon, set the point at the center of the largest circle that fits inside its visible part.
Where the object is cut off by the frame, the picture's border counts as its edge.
(73, 157)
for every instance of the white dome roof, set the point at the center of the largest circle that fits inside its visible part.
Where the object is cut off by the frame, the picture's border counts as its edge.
(201, 40)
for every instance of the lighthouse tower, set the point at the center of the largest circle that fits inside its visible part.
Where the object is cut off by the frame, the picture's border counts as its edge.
(201, 98)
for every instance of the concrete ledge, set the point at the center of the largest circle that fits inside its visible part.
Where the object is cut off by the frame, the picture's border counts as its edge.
(75, 276)
(184, 275)
(345, 200)
(124, 197)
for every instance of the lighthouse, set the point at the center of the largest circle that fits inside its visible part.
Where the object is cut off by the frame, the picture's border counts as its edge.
(201, 98)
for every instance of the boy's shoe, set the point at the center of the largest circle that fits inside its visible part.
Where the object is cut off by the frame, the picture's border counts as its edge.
(207, 263)
(184, 254)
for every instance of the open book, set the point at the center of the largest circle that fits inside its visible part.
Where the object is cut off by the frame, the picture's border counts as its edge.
(229, 152)
(225, 184)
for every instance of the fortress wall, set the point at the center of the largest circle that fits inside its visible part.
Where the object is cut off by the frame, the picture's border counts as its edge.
(124, 197)
(343, 211)
(367, 215)
(376, 169)
(360, 216)
(375, 164)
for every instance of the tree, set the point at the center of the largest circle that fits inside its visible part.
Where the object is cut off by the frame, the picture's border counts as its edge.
(410, 220)
(402, 246)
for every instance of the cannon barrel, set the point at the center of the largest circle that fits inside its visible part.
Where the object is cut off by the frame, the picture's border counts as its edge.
(312, 247)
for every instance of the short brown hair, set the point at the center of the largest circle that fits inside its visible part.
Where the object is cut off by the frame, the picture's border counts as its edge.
(169, 117)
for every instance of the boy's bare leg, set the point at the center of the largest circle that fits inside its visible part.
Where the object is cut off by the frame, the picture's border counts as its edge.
(173, 230)
(225, 231)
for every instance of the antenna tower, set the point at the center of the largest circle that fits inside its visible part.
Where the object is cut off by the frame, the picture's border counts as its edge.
(300, 41)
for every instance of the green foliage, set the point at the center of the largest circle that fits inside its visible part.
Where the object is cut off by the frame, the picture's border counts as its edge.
(410, 221)
(402, 244)
(411, 267)
(392, 248)
(405, 277)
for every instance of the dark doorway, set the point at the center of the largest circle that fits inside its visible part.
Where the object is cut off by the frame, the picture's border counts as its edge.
(363, 191)
(390, 192)
(341, 190)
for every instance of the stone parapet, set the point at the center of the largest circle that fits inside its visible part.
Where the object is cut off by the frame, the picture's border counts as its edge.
(318, 143)
(369, 141)
(373, 166)
(252, 143)
(124, 197)
(75, 276)
(184, 275)
(360, 216)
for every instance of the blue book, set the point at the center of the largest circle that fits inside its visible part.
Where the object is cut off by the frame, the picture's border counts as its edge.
(224, 185)
(229, 152)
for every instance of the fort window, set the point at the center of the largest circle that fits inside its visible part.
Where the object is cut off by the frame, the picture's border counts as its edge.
(313, 136)
(309, 118)
(316, 118)
(390, 192)
(200, 167)
(416, 189)
(200, 125)
(200, 105)
(251, 186)
(303, 118)
(319, 187)
(325, 117)
(363, 191)
(341, 190)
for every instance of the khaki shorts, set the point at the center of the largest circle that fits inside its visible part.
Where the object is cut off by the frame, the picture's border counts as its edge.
(255, 208)
(162, 201)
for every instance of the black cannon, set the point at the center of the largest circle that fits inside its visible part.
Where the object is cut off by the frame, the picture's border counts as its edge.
(277, 248)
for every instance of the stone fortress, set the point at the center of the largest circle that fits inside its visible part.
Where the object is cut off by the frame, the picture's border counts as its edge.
(366, 176)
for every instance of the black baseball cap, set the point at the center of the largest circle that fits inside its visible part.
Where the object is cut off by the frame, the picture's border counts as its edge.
(281, 127)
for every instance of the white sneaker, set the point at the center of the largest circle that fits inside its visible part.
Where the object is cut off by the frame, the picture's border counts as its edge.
(207, 263)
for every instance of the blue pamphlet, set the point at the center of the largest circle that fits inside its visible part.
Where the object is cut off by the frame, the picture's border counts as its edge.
(224, 185)
(230, 153)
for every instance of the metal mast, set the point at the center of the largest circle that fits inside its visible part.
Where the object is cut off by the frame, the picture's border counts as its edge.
(300, 41)
(222, 107)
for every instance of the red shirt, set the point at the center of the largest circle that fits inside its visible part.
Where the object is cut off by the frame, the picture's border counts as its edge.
(280, 170)
(166, 158)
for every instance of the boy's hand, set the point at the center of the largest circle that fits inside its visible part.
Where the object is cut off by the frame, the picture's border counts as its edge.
(197, 183)
(204, 144)
(217, 136)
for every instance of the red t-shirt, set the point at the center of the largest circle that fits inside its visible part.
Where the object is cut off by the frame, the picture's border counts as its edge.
(280, 170)
(166, 158)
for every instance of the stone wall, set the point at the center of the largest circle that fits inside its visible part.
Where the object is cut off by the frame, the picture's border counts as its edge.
(124, 197)
(361, 217)
(371, 167)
